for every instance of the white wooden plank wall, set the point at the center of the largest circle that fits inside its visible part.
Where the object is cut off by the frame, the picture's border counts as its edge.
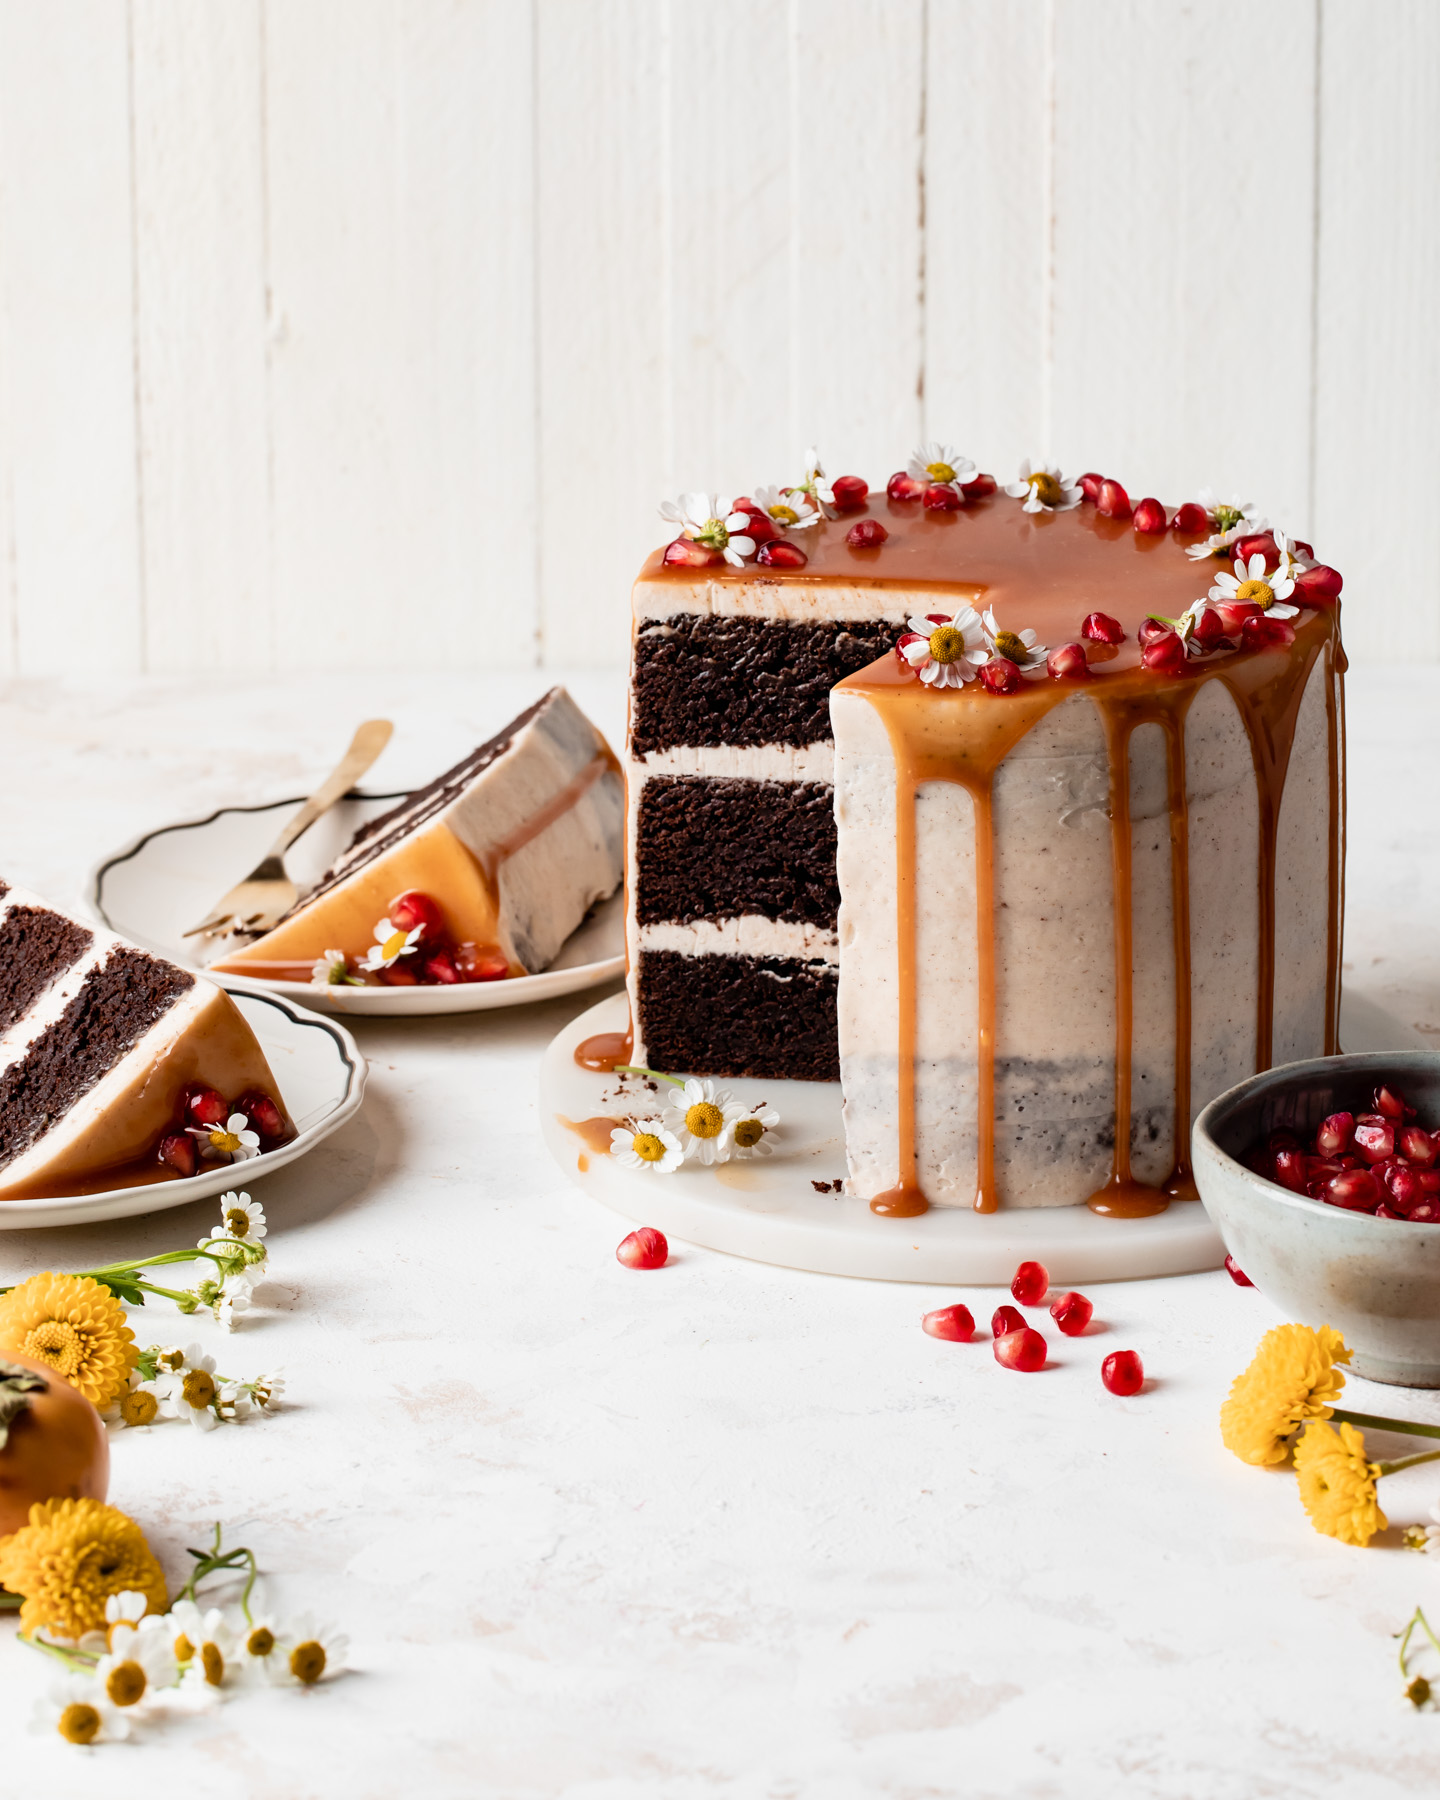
(362, 333)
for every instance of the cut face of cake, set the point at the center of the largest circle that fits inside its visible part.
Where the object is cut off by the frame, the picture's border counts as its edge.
(482, 874)
(117, 1068)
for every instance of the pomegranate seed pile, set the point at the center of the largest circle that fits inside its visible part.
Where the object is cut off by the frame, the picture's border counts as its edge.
(205, 1110)
(440, 961)
(1378, 1162)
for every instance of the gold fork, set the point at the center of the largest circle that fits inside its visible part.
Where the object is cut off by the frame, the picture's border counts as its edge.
(267, 893)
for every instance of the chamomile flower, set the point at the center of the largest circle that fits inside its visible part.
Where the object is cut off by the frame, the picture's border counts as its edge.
(752, 1132)
(140, 1666)
(312, 1651)
(1019, 647)
(76, 1706)
(790, 508)
(646, 1144)
(815, 487)
(332, 969)
(234, 1297)
(946, 652)
(1044, 489)
(267, 1390)
(701, 1117)
(139, 1406)
(1230, 519)
(1251, 584)
(206, 1644)
(123, 1613)
(711, 519)
(941, 465)
(241, 1218)
(190, 1390)
(232, 1402)
(262, 1647)
(231, 1142)
(390, 945)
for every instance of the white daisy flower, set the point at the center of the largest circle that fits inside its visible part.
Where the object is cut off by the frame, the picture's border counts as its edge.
(267, 1390)
(946, 652)
(330, 969)
(1019, 647)
(232, 1403)
(1044, 489)
(123, 1613)
(262, 1647)
(788, 507)
(753, 1131)
(206, 1644)
(710, 519)
(390, 945)
(1231, 519)
(234, 1298)
(241, 1218)
(646, 1144)
(188, 1391)
(941, 465)
(822, 495)
(141, 1664)
(1251, 584)
(701, 1118)
(312, 1651)
(231, 1142)
(76, 1706)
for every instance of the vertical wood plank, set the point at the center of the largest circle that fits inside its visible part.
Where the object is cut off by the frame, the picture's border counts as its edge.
(1184, 210)
(200, 331)
(400, 189)
(1377, 359)
(67, 435)
(986, 229)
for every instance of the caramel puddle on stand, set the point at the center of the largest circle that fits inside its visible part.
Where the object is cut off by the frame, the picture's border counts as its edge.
(594, 1134)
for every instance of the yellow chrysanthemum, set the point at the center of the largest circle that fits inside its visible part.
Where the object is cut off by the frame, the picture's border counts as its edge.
(72, 1556)
(1292, 1377)
(77, 1327)
(1337, 1483)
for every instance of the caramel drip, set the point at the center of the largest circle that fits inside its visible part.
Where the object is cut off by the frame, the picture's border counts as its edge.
(606, 1050)
(1179, 1184)
(594, 1134)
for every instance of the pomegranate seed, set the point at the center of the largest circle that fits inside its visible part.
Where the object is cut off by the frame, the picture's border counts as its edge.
(869, 534)
(1375, 1142)
(1123, 1373)
(979, 487)
(941, 497)
(1318, 586)
(901, 486)
(1072, 1312)
(440, 968)
(178, 1149)
(1429, 1181)
(481, 962)
(1418, 1147)
(762, 527)
(1234, 613)
(954, 1323)
(1151, 630)
(1150, 517)
(1371, 1118)
(906, 637)
(1006, 1319)
(686, 553)
(850, 491)
(1301, 548)
(1258, 542)
(1263, 633)
(1209, 629)
(1404, 1187)
(1165, 654)
(643, 1249)
(1336, 1133)
(1102, 629)
(1112, 502)
(1191, 520)
(1383, 1212)
(1283, 1139)
(782, 554)
(413, 908)
(1024, 1350)
(1090, 485)
(206, 1106)
(1232, 1268)
(1426, 1213)
(1031, 1283)
(400, 974)
(1290, 1170)
(1067, 662)
(262, 1112)
(1261, 1162)
(1356, 1190)
(1000, 675)
(1392, 1105)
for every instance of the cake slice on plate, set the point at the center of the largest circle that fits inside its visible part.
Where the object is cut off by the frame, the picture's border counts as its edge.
(117, 1068)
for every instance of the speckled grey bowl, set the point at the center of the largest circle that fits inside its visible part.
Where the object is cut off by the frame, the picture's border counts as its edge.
(1375, 1280)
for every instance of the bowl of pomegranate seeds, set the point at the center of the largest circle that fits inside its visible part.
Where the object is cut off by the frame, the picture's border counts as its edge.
(1324, 1180)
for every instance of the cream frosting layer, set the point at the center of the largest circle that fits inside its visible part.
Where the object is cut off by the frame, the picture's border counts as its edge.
(749, 935)
(769, 599)
(740, 762)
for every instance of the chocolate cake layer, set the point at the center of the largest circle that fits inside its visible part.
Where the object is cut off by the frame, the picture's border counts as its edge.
(717, 848)
(36, 948)
(762, 1017)
(116, 1005)
(703, 678)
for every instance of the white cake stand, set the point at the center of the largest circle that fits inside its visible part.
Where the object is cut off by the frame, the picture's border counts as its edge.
(769, 1210)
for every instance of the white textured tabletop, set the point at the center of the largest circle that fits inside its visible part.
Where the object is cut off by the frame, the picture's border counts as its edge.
(722, 1530)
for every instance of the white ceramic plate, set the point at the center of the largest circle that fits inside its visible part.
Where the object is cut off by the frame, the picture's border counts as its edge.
(321, 1076)
(154, 889)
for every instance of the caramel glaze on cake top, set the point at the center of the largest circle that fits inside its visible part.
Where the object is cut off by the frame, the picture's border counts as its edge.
(1048, 571)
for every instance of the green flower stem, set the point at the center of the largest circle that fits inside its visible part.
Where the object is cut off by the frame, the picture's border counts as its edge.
(1408, 1462)
(211, 1561)
(83, 1660)
(654, 1074)
(1373, 1422)
(120, 1271)
(1416, 1618)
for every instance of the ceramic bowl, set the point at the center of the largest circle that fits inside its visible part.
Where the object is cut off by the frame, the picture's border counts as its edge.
(1375, 1280)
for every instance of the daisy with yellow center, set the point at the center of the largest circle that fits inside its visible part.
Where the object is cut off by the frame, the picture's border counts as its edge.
(75, 1326)
(1251, 585)
(391, 943)
(945, 652)
(1291, 1378)
(753, 1132)
(646, 1144)
(68, 1561)
(788, 507)
(1044, 489)
(189, 1391)
(1020, 647)
(311, 1651)
(233, 1141)
(941, 465)
(78, 1709)
(702, 1118)
(711, 520)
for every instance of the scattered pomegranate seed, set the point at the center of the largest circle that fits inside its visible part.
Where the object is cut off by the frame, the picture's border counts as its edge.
(901, 486)
(1392, 1105)
(942, 497)
(1090, 485)
(1417, 1147)
(413, 908)
(643, 1249)
(1375, 1142)
(262, 1112)
(1209, 629)
(1123, 1373)
(1165, 654)
(782, 554)
(206, 1106)
(1237, 1274)
(954, 1323)
(1031, 1283)
(1150, 517)
(869, 534)
(1067, 662)
(1006, 1318)
(979, 487)
(1112, 502)
(1102, 629)
(1150, 630)
(178, 1149)
(1234, 613)
(1356, 1190)
(1318, 586)
(440, 967)
(1336, 1133)
(686, 553)
(1072, 1312)
(481, 962)
(1192, 520)
(1261, 543)
(762, 527)
(1000, 675)
(850, 491)
(1264, 632)
(1024, 1350)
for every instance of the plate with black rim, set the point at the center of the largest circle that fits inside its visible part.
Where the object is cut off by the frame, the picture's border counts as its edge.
(321, 1077)
(155, 887)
